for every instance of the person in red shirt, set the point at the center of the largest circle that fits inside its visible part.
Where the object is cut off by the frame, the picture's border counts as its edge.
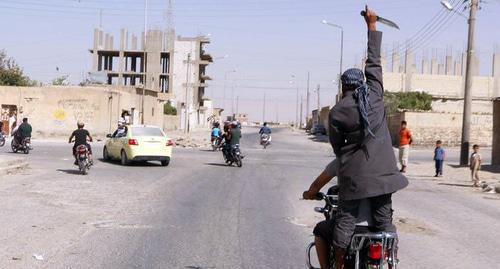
(405, 140)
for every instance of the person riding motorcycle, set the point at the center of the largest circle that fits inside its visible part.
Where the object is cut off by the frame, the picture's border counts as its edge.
(265, 131)
(22, 131)
(361, 141)
(80, 135)
(216, 133)
(226, 138)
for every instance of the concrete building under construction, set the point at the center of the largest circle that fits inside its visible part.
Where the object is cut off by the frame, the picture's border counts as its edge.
(172, 67)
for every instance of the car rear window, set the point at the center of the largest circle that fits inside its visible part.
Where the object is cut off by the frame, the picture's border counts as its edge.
(146, 131)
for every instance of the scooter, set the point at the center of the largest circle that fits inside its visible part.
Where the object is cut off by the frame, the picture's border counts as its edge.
(265, 140)
(367, 250)
(216, 143)
(24, 146)
(82, 155)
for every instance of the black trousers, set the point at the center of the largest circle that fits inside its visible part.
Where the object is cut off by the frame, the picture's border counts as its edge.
(338, 232)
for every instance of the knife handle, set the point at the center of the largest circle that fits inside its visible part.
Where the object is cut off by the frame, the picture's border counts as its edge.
(363, 13)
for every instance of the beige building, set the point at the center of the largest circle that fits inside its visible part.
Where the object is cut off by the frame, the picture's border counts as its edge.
(174, 69)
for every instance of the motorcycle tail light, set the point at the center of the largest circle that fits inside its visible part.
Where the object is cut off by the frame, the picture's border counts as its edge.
(170, 142)
(133, 142)
(375, 251)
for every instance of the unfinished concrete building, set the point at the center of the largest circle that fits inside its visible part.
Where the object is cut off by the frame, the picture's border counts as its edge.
(175, 69)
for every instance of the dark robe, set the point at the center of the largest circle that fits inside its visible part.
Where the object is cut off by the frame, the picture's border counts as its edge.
(367, 165)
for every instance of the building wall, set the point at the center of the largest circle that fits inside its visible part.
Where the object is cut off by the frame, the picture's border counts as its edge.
(55, 110)
(428, 127)
(440, 85)
(181, 76)
(495, 158)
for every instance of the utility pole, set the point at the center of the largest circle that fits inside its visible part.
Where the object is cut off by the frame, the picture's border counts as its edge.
(319, 106)
(237, 104)
(186, 101)
(301, 111)
(297, 108)
(264, 109)
(464, 151)
(232, 102)
(307, 98)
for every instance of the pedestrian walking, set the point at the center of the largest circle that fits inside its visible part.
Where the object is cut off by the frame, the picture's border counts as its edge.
(405, 140)
(439, 157)
(475, 165)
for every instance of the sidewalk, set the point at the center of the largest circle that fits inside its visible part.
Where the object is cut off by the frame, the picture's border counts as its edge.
(11, 164)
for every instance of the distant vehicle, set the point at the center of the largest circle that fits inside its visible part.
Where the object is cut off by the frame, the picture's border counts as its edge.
(318, 129)
(265, 140)
(139, 143)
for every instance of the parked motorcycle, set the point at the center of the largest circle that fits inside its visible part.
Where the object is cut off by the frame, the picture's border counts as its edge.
(2, 139)
(234, 156)
(24, 146)
(265, 140)
(82, 154)
(367, 250)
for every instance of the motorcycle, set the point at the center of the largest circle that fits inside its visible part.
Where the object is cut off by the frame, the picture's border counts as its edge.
(233, 156)
(82, 154)
(2, 139)
(216, 143)
(367, 250)
(24, 146)
(265, 140)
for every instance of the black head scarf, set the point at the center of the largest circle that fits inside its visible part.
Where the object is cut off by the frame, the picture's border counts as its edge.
(354, 77)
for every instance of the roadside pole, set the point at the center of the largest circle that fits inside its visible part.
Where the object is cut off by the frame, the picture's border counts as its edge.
(465, 143)
(186, 101)
(319, 106)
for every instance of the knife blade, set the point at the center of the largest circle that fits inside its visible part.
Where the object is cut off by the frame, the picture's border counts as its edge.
(383, 20)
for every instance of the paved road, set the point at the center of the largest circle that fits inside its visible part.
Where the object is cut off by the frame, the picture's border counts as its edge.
(198, 213)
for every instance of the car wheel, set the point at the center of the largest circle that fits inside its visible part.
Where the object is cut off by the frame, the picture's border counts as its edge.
(105, 154)
(124, 159)
(165, 163)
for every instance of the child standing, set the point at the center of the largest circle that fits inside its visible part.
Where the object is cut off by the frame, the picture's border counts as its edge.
(475, 165)
(439, 156)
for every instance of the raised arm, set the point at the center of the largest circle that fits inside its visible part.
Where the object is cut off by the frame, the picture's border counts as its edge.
(373, 67)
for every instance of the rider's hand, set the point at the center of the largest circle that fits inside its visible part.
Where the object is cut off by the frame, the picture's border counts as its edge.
(309, 195)
(371, 19)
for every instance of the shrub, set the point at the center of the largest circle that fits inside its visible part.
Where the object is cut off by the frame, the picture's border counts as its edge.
(414, 101)
(168, 109)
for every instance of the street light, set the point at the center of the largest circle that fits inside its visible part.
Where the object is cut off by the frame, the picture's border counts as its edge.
(225, 81)
(449, 7)
(297, 100)
(467, 115)
(325, 22)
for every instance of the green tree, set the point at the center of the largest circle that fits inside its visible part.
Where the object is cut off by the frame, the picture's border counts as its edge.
(416, 101)
(10, 72)
(61, 81)
(168, 109)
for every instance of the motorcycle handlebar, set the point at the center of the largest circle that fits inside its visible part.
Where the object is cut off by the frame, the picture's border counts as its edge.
(320, 196)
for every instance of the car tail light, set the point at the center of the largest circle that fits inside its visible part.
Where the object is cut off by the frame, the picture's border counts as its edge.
(133, 142)
(170, 142)
(375, 251)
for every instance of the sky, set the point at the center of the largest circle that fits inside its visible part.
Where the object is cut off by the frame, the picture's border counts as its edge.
(272, 44)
